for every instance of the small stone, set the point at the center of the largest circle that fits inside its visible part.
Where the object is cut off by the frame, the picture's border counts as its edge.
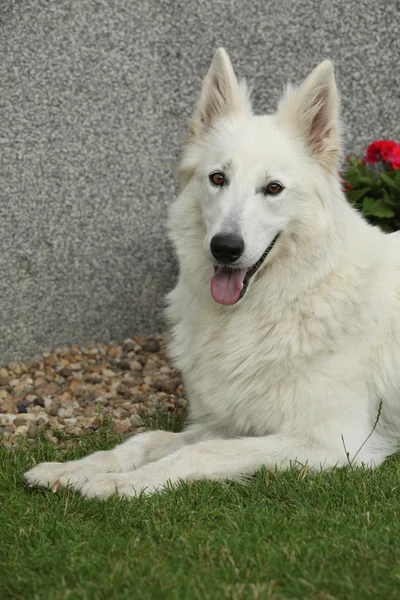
(135, 420)
(22, 405)
(50, 360)
(31, 398)
(4, 376)
(15, 368)
(159, 384)
(7, 418)
(22, 429)
(121, 426)
(151, 345)
(96, 424)
(19, 421)
(93, 377)
(65, 399)
(124, 366)
(122, 414)
(113, 352)
(137, 399)
(38, 402)
(30, 417)
(39, 381)
(75, 384)
(75, 431)
(23, 388)
(53, 412)
(66, 412)
(108, 373)
(171, 386)
(136, 365)
(128, 345)
(66, 372)
(33, 431)
(51, 389)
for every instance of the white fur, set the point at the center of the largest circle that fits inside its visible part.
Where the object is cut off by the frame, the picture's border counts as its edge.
(293, 373)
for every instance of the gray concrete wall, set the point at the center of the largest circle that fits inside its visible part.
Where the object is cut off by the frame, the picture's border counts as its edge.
(94, 98)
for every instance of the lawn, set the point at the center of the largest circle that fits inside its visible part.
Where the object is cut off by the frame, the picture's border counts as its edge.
(283, 536)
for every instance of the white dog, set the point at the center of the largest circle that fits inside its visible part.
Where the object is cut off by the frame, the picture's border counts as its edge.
(286, 315)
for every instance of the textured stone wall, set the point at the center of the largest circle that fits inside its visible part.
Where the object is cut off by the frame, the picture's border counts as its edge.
(94, 99)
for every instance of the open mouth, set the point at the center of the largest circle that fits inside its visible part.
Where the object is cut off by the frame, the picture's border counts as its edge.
(229, 284)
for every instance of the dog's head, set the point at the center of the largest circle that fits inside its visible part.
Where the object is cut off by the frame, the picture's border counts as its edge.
(255, 175)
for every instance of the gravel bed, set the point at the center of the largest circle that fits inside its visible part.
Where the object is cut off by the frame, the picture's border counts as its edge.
(75, 389)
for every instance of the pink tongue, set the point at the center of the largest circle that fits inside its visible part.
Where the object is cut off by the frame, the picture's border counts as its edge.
(226, 285)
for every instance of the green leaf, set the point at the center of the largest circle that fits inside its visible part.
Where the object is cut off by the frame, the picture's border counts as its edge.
(376, 208)
(388, 180)
(368, 180)
(356, 195)
(388, 199)
(353, 179)
(385, 227)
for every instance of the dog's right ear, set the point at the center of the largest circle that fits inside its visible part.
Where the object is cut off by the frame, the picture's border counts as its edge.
(221, 95)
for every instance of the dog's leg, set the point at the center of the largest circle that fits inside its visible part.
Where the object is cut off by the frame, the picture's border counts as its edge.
(217, 460)
(136, 451)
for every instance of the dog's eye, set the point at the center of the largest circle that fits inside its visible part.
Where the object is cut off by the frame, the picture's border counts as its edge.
(217, 178)
(273, 188)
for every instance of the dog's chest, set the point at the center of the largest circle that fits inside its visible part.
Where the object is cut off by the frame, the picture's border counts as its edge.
(255, 371)
(239, 373)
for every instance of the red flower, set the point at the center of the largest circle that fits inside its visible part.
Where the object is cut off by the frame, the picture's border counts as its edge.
(381, 149)
(394, 157)
(347, 186)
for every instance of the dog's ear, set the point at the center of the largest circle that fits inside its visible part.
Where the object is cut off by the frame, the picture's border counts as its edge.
(312, 112)
(221, 95)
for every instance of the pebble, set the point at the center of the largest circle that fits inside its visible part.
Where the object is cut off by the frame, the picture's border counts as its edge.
(124, 366)
(22, 429)
(74, 389)
(22, 406)
(33, 431)
(121, 427)
(136, 365)
(151, 345)
(53, 412)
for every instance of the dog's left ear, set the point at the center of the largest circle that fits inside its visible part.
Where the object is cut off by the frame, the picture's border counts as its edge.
(312, 112)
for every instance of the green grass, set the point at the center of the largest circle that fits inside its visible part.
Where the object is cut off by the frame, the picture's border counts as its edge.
(283, 536)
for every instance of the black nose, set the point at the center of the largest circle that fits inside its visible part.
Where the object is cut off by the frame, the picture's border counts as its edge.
(226, 248)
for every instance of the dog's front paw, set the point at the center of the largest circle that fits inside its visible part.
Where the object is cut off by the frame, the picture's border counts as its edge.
(121, 484)
(53, 475)
(45, 474)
